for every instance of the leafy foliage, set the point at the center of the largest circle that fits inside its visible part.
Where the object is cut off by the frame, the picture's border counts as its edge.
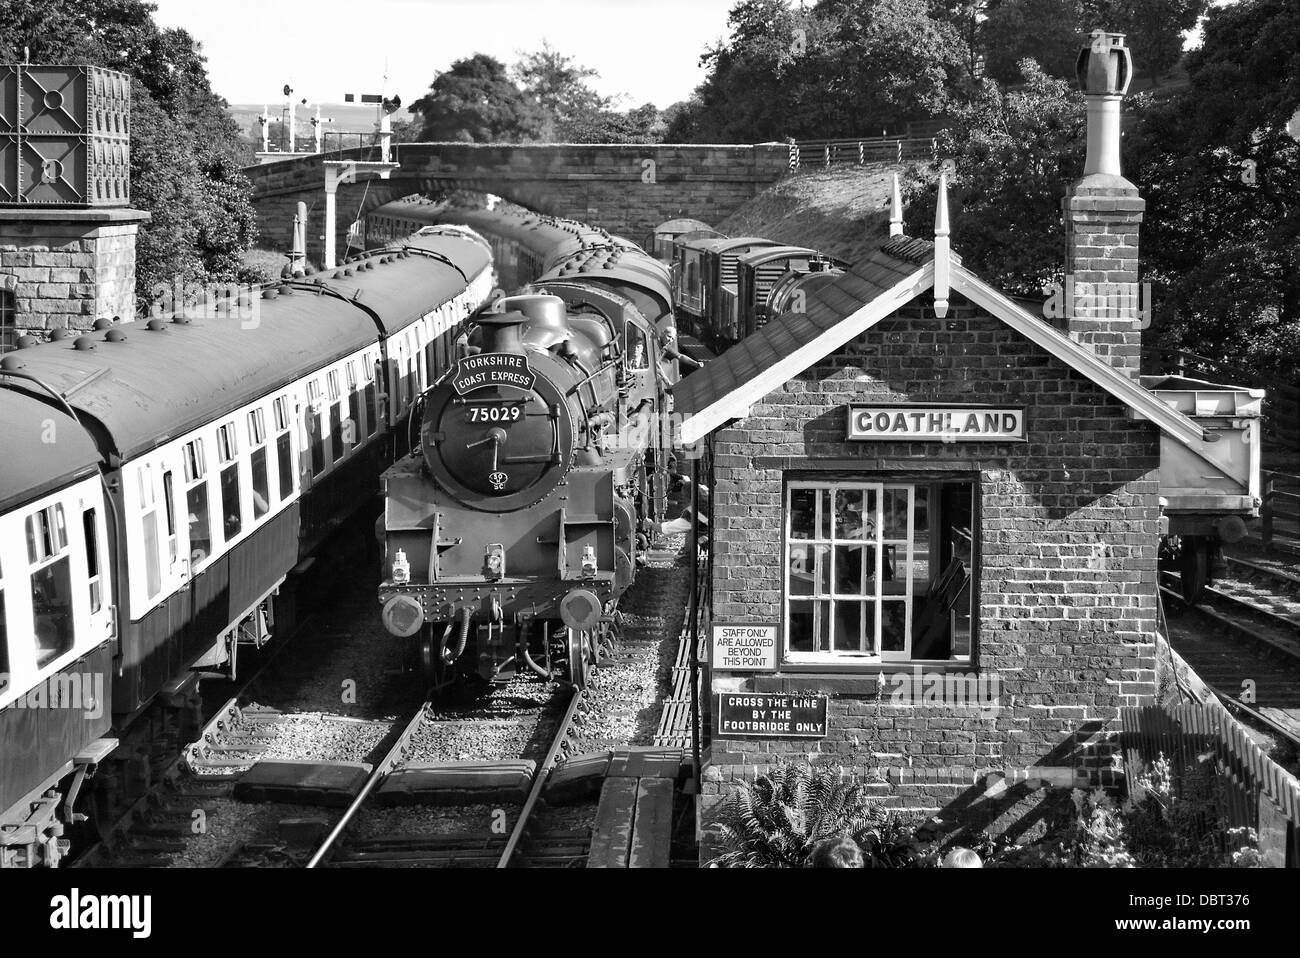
(476, 102)
(776, 821)
(1015, 152)
(186, 150)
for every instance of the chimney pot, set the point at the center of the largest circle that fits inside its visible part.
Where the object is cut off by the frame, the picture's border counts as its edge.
(1105, 66)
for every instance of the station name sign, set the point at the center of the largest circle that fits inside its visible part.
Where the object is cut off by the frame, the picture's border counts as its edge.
(765, 715)
(492, 369)
(935, 424)
(744, 648)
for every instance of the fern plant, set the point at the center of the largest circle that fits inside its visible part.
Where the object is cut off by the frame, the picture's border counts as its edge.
(775, 821)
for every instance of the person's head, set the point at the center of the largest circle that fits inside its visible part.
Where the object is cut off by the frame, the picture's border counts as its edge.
(962, 858)
(842, 852)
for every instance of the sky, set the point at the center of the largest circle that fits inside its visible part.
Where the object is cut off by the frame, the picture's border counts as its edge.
(326, 48)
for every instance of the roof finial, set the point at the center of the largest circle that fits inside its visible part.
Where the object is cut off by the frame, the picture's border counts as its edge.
(942, 250)
(896, 211)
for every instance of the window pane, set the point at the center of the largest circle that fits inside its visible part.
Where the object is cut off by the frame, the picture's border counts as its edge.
(354, 414)
(848, 625)
(230, 501)
(169, 504)
(803, 507)
(261, 484)
(284, 458)
(372, 416)
(849, 569)
(895, 509)
(921, 514)
(810, 570)
(152, 576)
(316, 427)
(336, 430)
(196, 500)
(4, 644)
(848, 514)
(52, 610)
(802, 627)
(893, 626)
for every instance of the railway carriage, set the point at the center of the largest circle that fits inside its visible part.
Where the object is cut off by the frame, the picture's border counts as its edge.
(210, 457)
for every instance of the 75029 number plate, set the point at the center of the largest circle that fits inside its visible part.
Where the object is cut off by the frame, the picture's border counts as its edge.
(503, 412)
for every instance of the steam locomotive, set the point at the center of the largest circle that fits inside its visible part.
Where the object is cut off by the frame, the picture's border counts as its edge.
(514, 529)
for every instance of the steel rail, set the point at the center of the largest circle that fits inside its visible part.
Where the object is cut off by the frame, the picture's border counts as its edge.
(391, 757)
(539, 780)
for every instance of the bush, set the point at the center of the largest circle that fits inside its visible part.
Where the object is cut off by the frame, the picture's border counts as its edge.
(776, 821)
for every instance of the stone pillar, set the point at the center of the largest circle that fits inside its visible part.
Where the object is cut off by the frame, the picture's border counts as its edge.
(67, 268)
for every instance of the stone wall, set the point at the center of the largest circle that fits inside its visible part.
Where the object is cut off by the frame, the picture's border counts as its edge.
(68, 268)
(1064, 587)
(627, 189)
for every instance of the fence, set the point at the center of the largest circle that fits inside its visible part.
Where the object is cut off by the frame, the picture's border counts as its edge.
(1279, 512)
(876, 149)
(1212, 758)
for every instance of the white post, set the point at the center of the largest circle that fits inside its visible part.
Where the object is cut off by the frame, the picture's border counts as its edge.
(293, 126)
(896, 211)
(330, 250)
(299, 263)
(265, 119)
(319, 129)
(385, 138)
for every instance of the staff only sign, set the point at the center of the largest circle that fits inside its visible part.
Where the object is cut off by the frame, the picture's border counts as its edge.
(935, 424)
(744, 648)
(492, 369)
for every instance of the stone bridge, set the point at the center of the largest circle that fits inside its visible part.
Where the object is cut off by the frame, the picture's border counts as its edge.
(627, 189)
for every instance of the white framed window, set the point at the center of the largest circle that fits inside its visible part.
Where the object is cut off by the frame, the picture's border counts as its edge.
(51, 584)
(232, 518)
(877, 571)
(284, 446)
(259, 467)
(196, 503)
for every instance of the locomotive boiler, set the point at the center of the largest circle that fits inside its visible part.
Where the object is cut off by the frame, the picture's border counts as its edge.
(512, 533)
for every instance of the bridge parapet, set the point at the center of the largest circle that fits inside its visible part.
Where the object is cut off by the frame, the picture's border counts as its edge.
(625, 188)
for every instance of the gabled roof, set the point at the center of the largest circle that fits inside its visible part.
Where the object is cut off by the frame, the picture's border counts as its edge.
(889, 278)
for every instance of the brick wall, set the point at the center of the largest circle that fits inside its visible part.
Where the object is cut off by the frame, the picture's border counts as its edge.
(604, 185)
(67, 270)
(1102, 217)
(1064, 588)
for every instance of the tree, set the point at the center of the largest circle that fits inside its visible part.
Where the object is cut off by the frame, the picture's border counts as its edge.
(1047, 31)
(186, 150)
(1154, 28)
(476, 102)
(558, 85)
(1015, 153)
(1221, 174)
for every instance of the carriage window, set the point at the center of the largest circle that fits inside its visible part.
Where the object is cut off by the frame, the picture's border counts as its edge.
(169, 508)
(336, 430)
(261, 477)
(372, 407)
(52, 610)
(149, 523)
(878, 571)
(196, 502)
(637, 357)
(316, 429)
(90, 529)
(284, 447)
(47, 535)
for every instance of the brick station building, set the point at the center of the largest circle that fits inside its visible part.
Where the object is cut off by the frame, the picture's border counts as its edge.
(936, 516)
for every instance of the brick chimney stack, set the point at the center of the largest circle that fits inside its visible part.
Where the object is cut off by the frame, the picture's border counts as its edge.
(1103, 212)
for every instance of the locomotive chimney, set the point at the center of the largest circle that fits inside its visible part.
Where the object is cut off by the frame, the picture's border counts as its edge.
(1103, 212)
(502, 332)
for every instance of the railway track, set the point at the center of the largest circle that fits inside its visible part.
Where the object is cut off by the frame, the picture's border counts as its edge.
(478, 849)
(1245, 652)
